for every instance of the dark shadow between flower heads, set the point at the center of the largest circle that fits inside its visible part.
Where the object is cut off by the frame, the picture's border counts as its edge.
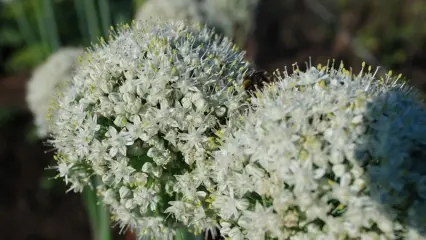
(393, 155)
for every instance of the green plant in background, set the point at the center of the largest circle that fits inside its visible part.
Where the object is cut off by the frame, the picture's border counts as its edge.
(33, 29)
(17, 32)
(398, 33)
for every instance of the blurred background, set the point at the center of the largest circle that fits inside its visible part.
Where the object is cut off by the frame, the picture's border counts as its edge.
(33, 206)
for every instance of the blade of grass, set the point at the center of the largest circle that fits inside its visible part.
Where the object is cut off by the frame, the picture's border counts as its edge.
(42, 31)
(92, 19)
(79, 8)
(23, 22)
(105, 12)
(50, 25)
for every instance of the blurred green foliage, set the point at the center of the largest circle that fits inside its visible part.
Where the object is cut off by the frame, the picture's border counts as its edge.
(31, 30)
(7, 114)
(393, 30)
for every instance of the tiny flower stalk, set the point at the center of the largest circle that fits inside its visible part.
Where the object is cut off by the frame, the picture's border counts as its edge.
(142, 112)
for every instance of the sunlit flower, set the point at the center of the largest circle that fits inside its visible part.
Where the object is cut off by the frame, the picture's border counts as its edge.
(141, 113)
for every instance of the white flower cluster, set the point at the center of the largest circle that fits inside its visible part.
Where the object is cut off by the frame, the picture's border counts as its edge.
(231, 18)
(325, 154)
(46, 78)
(143, 112)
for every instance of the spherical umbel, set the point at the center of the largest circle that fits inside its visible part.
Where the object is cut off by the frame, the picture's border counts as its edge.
(325, 154)
(142, 113)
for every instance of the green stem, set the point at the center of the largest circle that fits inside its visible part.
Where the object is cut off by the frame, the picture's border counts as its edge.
(104, 10)
(50, 25)
(98, 215)
(89, 200)
(104, 229)
(92, 19)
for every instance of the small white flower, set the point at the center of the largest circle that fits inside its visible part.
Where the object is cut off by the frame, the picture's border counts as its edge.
(64, 170)
(229, 206)
(118, 141)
